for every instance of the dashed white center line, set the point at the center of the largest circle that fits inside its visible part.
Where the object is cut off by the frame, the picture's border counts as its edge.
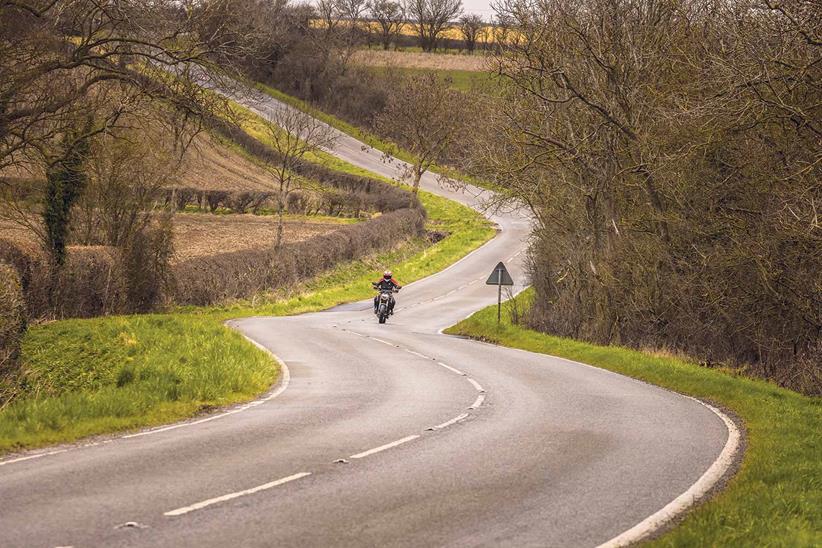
(478, 401)
(382, 341)
(417, 354)
(384, 447)
(475, 384)
(230, 496)
(452, 421)
(448, 367)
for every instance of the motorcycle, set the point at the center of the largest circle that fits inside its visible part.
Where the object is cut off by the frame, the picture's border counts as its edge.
(384, 304)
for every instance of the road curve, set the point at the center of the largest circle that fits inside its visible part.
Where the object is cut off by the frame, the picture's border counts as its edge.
(384, 435)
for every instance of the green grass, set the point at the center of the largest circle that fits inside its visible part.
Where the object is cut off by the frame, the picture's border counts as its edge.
(462, 80)
(102, 375)
(85, 377)
(774, 499)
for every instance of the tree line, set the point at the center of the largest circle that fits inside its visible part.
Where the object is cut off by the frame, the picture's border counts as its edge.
(670, 153)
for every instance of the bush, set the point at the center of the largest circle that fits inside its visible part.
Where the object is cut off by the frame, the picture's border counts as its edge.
(206, 280)
(91, 283)
(146, 259)
(12, 318)
(32, 267)
(240, 202)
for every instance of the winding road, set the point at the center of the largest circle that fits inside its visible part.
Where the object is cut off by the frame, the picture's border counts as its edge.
(388, 435)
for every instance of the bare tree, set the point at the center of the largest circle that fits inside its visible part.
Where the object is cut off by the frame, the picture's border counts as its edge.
(670, 154)
(127, 170)
(353, 11)
(53, 54)
(471, 27)
(330, 14)
(291, 134)
(70, 72)
(390, 16)
(431, 18)
(425, 118)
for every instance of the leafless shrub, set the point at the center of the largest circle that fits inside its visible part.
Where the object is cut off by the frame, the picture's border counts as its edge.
(240, 202)
(146, 257)
(241, 274)
(12, 319)
(215, 199)
(32, 266)
(92, 283)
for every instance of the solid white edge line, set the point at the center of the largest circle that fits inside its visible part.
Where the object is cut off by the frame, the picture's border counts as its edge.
(230, 496)
(475, 384)
(692, 495)
(384, 447)
(283, 384)
(452, 421)
(448, 367)
(477, 402)
(29, 457)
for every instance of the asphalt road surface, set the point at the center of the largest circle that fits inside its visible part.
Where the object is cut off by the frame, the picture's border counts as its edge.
(381, 435)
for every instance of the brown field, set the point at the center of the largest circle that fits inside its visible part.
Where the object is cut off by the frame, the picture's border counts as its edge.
(211, 165)
(198, 235)
(419, 60)
(208, 165)
(201, 234)
(489, 34)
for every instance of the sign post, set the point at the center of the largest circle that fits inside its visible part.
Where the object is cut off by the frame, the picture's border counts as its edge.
(499, 277)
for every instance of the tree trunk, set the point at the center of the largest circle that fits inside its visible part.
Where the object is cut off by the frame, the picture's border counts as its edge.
(280, 208)
(417, 177)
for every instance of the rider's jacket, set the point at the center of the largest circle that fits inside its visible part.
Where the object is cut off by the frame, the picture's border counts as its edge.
(382, 283)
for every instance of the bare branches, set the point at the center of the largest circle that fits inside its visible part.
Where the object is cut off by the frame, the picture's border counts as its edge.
(671, 154)
(426, 118)
(292, 134)
(390, 16)
(63, 51)
(431, 18)
(472, 28)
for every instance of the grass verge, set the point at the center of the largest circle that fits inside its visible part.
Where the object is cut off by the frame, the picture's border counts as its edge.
(774, 499)
(102, 375)
(85, 377)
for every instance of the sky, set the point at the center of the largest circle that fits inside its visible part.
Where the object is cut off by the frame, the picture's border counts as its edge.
(479, 7)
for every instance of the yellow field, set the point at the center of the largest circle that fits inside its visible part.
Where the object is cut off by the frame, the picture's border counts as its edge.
(490, 34)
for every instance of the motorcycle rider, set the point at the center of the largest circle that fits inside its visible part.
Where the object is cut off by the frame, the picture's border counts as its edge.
(387, 282)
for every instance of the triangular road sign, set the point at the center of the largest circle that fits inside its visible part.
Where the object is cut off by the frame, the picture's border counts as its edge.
(500, 276)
